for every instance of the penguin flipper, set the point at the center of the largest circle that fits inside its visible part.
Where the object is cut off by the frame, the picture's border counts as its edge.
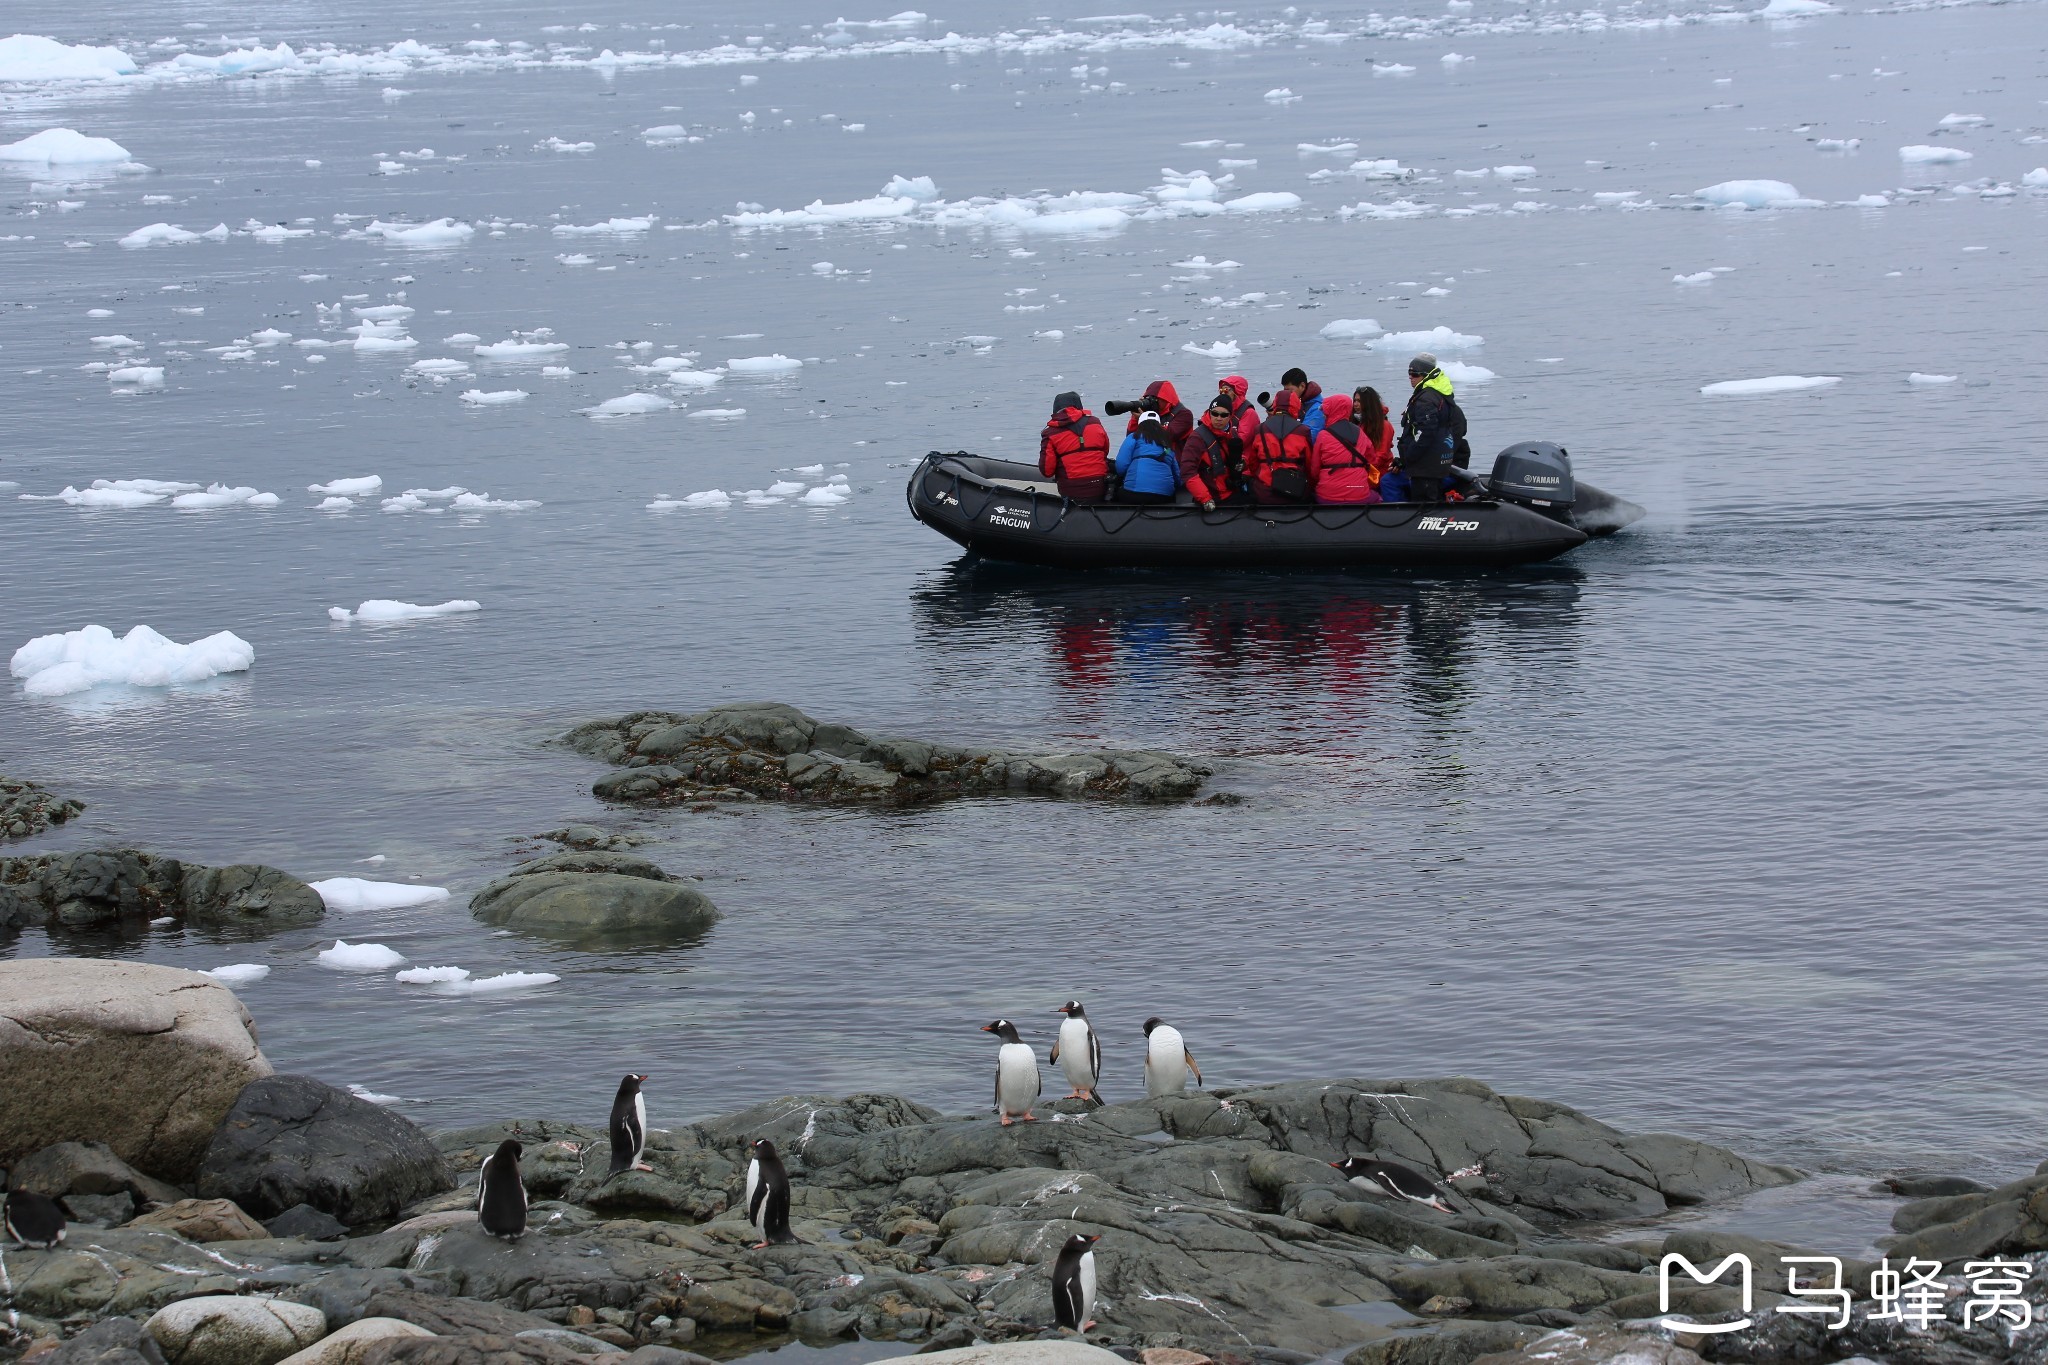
(1094, 1057)
(1191, 1065)
(1053, 1058)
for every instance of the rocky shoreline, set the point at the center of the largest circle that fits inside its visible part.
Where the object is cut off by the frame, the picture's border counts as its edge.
(256, 1218)
(28, 808)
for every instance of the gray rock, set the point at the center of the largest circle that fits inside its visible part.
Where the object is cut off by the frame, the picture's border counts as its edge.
(123, 889)
(144, 1059)
(292, 1140)
(590, 837)
(346, 1347)
(232, 1330)
(116, 1341)
(472, 1350)
(770, 751)
(1453, 1342)
(305, 1221)
(88, 1168)
(1935, 1186)
(26, 808)
(1594, 1346)
(596, 895)
(103, 1210)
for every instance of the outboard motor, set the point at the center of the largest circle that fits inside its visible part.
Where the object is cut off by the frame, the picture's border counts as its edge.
(1535, 474)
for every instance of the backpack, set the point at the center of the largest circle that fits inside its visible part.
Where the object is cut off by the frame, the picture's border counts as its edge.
(1337, 432)
(1286, 475)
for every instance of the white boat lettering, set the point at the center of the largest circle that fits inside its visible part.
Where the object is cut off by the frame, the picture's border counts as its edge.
(1445, 525)
(1017, 518)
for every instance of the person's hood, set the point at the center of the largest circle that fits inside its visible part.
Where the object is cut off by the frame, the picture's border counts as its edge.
(1238, 385)
(1163, 390)
(1437, 381)
(1310, 394)
(1062, 402)
(1336, 407)
(1286, 401)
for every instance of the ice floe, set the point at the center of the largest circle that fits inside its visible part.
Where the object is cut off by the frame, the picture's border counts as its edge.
(630, 405)
(439, 367)
(611, 227)
(1917, 377)
(1435, 339)
(1776, 383)
(521, 350)
(384, 609)
(1753, 194)
(220, 495)
(77, 660)
(503, 981)
(359, 957)
(710, 497)
(720, 414)
(1351, 329)
(431, 976)
(1697, 277)
(764, 364)
(442, 232)
(141, 376)
(484, 502)
(1933, 156)
(26, 57)
(348, 488)
(1215, 350)
(356, 893)
(160, 234)
(239, 973)
(493, 398)
(64, 146)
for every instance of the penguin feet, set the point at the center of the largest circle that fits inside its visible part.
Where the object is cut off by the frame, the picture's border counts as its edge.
(642, 1166)
(1006, 1120)
(759, 1246)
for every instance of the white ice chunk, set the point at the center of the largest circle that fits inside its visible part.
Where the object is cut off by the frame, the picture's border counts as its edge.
(63, 146)
(1916, 377)
(26, 57)
(521, 350)
(384, 609)
(493, 397)
(359, 957)
(440, 366)
(918, 187)
(441, 232)
(1962, 120)
(2036, 179)
(1350, 329)
(348, 488)
(1795, 9)
(1215, 350)
(142, 376)
(1698, 277)
(630, 404)
(764, 364)
(1269, 202)
(1458, 372)
(157, 234)
(694, 379)
(503, 981)
(1204, 263)
(1435, 339)
(1755, 194)
(1281, 96)
(1933, 156)
(710, 497)
(480, 502)
(354, 893)
(825, 495)
(432, 976)
(363, 1092)
(720, 414)
(1776, 383)
(239, 973)
(218, 495)
(73, 661)
(610, 227)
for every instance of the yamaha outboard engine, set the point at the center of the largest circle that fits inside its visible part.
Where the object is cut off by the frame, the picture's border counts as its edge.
(1536, 474)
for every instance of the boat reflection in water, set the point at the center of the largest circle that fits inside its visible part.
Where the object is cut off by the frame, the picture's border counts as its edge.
(1268, 662)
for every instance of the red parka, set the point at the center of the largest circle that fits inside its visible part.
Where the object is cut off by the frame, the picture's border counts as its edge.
(1173, 414)
(1241, 410)
(1280, 444)
(1344, 463)
(1073, 446)
(1208, 463)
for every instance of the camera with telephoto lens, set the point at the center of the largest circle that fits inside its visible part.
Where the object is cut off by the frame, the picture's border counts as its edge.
(1117, 407)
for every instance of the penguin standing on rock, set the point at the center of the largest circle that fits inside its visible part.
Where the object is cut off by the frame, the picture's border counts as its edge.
(1073, 1283)
(34, 1220)
(1399, 1182)
(768, 1195)
(629, 1128)
(1167, 1060)
(1017, 1082)
(1078, 1052)
(501, 1194)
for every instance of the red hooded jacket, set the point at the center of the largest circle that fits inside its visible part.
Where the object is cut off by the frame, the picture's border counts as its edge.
(1278, 442)
(1242, 412)
(1206, 458)
(1344, 463)
(1073, 446)
(1173, 414)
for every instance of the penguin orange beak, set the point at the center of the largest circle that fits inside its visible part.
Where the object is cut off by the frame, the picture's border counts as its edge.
(1337, 1165)
(986, 1029)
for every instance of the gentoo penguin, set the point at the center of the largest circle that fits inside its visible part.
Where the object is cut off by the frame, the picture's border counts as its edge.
(1073, 1283)
(1385, 1177)
(768, 1194)
(1167, 1060)
(1078, 1044)
(501, 1194)
(1017, 1083)
(34, 1220)
(629, 1127)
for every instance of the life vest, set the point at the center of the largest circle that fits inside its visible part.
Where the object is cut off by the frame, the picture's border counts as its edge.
(1347, 434)
(1281, 456)
(1084, 436)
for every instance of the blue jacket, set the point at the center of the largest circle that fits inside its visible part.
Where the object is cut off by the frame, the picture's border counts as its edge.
(1145, 466)
(1312, 417)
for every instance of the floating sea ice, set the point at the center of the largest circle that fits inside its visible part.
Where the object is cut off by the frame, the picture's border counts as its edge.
(384, 312)
(2036, 179)
(1752, 194)
(141, 376)
(239, 973)
(1052, 334)
(157, 234)
(555, 144)
(1326, 149)
(610, 227)
(1916, 377)
(1281, 96)
(495, 396)
(504, 981)
(576, 258)
(335, 505)
(918, 187)
(359, 957)
(710, 497)
(691, 379)
(1435, 339)
(826, 495)
(783, 488)
(1391, 69)
(1698, 277)
(557, 370)
(461, 339)
(99, 312)
(220, 495)
(484, 502)
(1215, 350)
(432, 976)
(370, 342)
(63, 146)
(1870, 201)
(1616, 196)
(822, 268)
(440, 232)
(269, 336)
(404, 502)
(1838, 144)
(1776, 383)
(810, 469)
(1962, 120)
(1269, 202)
(26, 57)
(363, 1092)
(354, 893)
(439, 367)
(1795, 9)
(349, 488)
(1933, 156)
(1204, 263)
(73, 661)
(521, 350)
(383, 609)
(764, 364)
(1454, 59)
(720, 414)
(1458, 372)
(1350, 329)
(630, 404)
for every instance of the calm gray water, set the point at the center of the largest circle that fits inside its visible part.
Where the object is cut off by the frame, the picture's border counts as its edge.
(1724, 826)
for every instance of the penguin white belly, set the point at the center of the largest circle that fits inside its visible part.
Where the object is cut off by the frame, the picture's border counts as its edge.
(1077, 1058)
(753, 1184)
(1016, 1078)
(639, 1124)
(1087, 1287)
(1166, 1062)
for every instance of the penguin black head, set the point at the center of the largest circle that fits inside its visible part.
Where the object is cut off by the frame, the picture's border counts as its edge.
(509, 1150)
(631, 1084)
(1072, 1009)
(762, 1149)
(1081, 1241)
(1154, 1022)
(1003, 1029)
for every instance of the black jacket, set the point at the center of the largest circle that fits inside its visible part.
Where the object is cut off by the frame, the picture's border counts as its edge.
(1432, 430)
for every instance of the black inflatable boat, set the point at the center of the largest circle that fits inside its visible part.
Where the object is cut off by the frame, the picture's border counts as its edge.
(1529, 508)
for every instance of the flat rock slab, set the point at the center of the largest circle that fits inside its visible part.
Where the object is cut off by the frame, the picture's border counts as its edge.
(1024, 1353)
(771, 751)
(349, 1345)
(204, 1220)
(147, 1060)
(26, 808)
(222, 1329)
(122, 889)
(596, 895)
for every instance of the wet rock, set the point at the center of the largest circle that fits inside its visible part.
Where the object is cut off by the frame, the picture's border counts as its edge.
(88, 1169)
(1596, 1346)
(596, 895)
(1448, 1343)
(474, 1350)
(101, 1210)
(122, 888)
(292, 1140)
(27, 808)
(307, 1223)
(204, 1220)
(2010, 1219)
(589, 838)
(1934, 1186)
(348, 1346)
(116, 1341)
(232, 1330)
(1023, 1353)
(449, 1315)
(146, 1060)
(770, 751)
(1513, 1284)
